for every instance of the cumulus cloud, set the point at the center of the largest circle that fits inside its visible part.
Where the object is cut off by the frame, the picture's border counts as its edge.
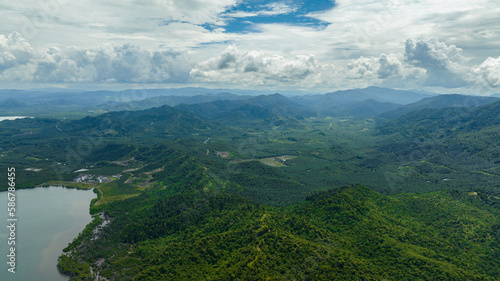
(254, 67)
(126, 63)
(420, 63)
(14, 51)
(388, 67)
(361, 68)
(487, 73)
(444, 64)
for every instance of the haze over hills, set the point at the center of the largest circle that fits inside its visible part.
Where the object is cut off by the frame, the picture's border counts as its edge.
(95, 102)
(356, 95)
(12, 103)
(97, 97)
(163, 121)
(454, 119)
(364, 109)
(441, 101)
(167, 100)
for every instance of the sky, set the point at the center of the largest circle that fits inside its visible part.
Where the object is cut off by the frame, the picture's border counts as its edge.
(321, 45)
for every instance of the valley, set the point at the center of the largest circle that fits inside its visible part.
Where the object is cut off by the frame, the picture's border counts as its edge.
(365, 184)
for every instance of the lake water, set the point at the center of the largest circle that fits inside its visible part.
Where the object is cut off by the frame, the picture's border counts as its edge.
(48, 219)
(2, 118)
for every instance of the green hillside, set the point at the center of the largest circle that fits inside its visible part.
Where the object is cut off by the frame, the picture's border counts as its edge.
(351, 233)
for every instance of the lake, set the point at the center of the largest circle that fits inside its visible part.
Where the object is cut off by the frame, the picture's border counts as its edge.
(48, 219)
(2, 118)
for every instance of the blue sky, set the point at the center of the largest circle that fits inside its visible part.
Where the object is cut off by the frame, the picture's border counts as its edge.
(243, 17)
(323, 45)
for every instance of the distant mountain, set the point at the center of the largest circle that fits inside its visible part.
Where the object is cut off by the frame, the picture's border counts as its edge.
(365, 109)
(441, 101)
(395, 96)
(452, 120)
(260, 110)
(20, 95)
(156, 122)
(139, 99)
(56, 90)
(221, 109)
(101, 96)
(474, 129)
(166, 100)
(279, 104)
(12, 104)
(340, 99)
(487, 116)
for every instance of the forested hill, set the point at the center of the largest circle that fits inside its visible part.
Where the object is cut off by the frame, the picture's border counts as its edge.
(475, 128)
(321, 102)
(459, 119)
(154, 122)
(347, 233)
(460, 102)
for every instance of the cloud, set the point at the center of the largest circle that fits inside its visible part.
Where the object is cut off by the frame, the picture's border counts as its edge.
(14, 51)
(90, 23)
(420, 63)
(386, 67)
(487, 73)
(236, 66)
(432, 54)
(129, 63)
(390, 66)
(271, 9)
(362, 68)
(444, 64)
(192, 11)
(19, 61)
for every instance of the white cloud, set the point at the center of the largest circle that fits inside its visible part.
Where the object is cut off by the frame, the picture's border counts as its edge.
(385, 70)
(14, 51)
(432, 54)
(420, 63)
(487, 73)
(424, 63)
(247, 67)
(365, 43)
(90, 23)
(126, 63)
(271, 9)
(278, 8)
(369, 27)
(444, 64)
(361, 68)
(390, 66)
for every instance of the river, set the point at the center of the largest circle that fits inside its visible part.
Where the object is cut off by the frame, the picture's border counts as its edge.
(48, 219)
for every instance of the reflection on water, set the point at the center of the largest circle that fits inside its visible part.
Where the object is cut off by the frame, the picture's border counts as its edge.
(48, 219)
